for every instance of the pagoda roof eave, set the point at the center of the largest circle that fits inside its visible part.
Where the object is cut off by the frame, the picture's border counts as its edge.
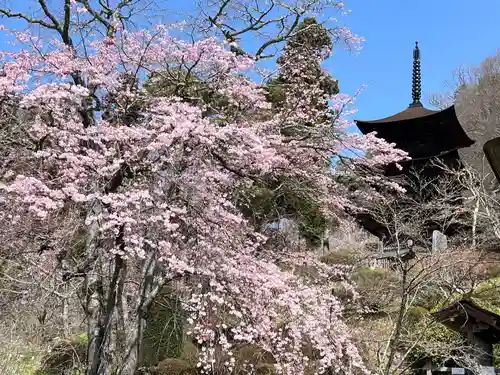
(422, 137)
(408, 114)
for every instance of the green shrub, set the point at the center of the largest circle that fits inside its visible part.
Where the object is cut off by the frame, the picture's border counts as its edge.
(416, 313)
(377, 288)
(66, 357)
(163, 336)
(436, 339)
(496, 355)
(340, 256)
(429, 298)
(269, 201)
(21, 362)
(368, 275)
(485, 295)
(81, 339)
(429, 339)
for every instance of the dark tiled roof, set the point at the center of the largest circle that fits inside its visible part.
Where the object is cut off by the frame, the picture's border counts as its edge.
(457, 315)
(421, 132)
(407, 114)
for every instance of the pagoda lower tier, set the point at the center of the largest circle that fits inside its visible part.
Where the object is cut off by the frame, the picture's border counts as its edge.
(421, 132)
(429, 168)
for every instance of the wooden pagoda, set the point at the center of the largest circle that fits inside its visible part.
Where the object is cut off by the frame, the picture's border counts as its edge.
(425, 134)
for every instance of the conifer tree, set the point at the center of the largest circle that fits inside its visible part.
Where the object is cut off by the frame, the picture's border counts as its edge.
(301, 92)
(302, 82)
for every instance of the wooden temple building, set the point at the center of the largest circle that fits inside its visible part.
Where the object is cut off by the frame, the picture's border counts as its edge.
(479, 327)
(425, 134)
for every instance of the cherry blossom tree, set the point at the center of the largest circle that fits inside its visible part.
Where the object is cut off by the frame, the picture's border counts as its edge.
(148, 183)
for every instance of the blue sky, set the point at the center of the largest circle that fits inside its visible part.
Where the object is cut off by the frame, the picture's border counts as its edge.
(451, 33)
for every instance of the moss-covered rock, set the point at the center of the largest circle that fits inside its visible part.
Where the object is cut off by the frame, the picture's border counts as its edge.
(190, 351)
(174, 366)
(245, 356)
(265, 369)
(252, 354)
(185, 364)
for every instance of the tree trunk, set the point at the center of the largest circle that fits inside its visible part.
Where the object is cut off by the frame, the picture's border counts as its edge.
(474, 222)
(116, 325)
(94, 295)
(394, 341)
(65, 315)
(133, 346)
(152, 280)
(103, 353)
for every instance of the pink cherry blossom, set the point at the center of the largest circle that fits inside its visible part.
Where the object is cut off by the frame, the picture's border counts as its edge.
(163, 185)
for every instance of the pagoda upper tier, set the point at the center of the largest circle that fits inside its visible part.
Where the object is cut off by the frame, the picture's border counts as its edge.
(422, 132)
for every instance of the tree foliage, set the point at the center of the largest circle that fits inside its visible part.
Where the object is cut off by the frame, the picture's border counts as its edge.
(147, 179)
(299, 69)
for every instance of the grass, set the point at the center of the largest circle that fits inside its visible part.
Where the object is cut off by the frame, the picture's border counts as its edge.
(20, 358)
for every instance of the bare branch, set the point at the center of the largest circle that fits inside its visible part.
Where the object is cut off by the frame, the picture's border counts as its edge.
(25, 17)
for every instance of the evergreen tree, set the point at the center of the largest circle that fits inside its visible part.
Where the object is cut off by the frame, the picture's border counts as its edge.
(302, 83)
(300, 92)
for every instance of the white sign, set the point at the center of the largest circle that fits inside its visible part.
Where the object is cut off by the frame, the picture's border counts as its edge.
(439, 241)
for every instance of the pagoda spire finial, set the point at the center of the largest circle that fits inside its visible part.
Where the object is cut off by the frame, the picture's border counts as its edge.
(416, 87)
